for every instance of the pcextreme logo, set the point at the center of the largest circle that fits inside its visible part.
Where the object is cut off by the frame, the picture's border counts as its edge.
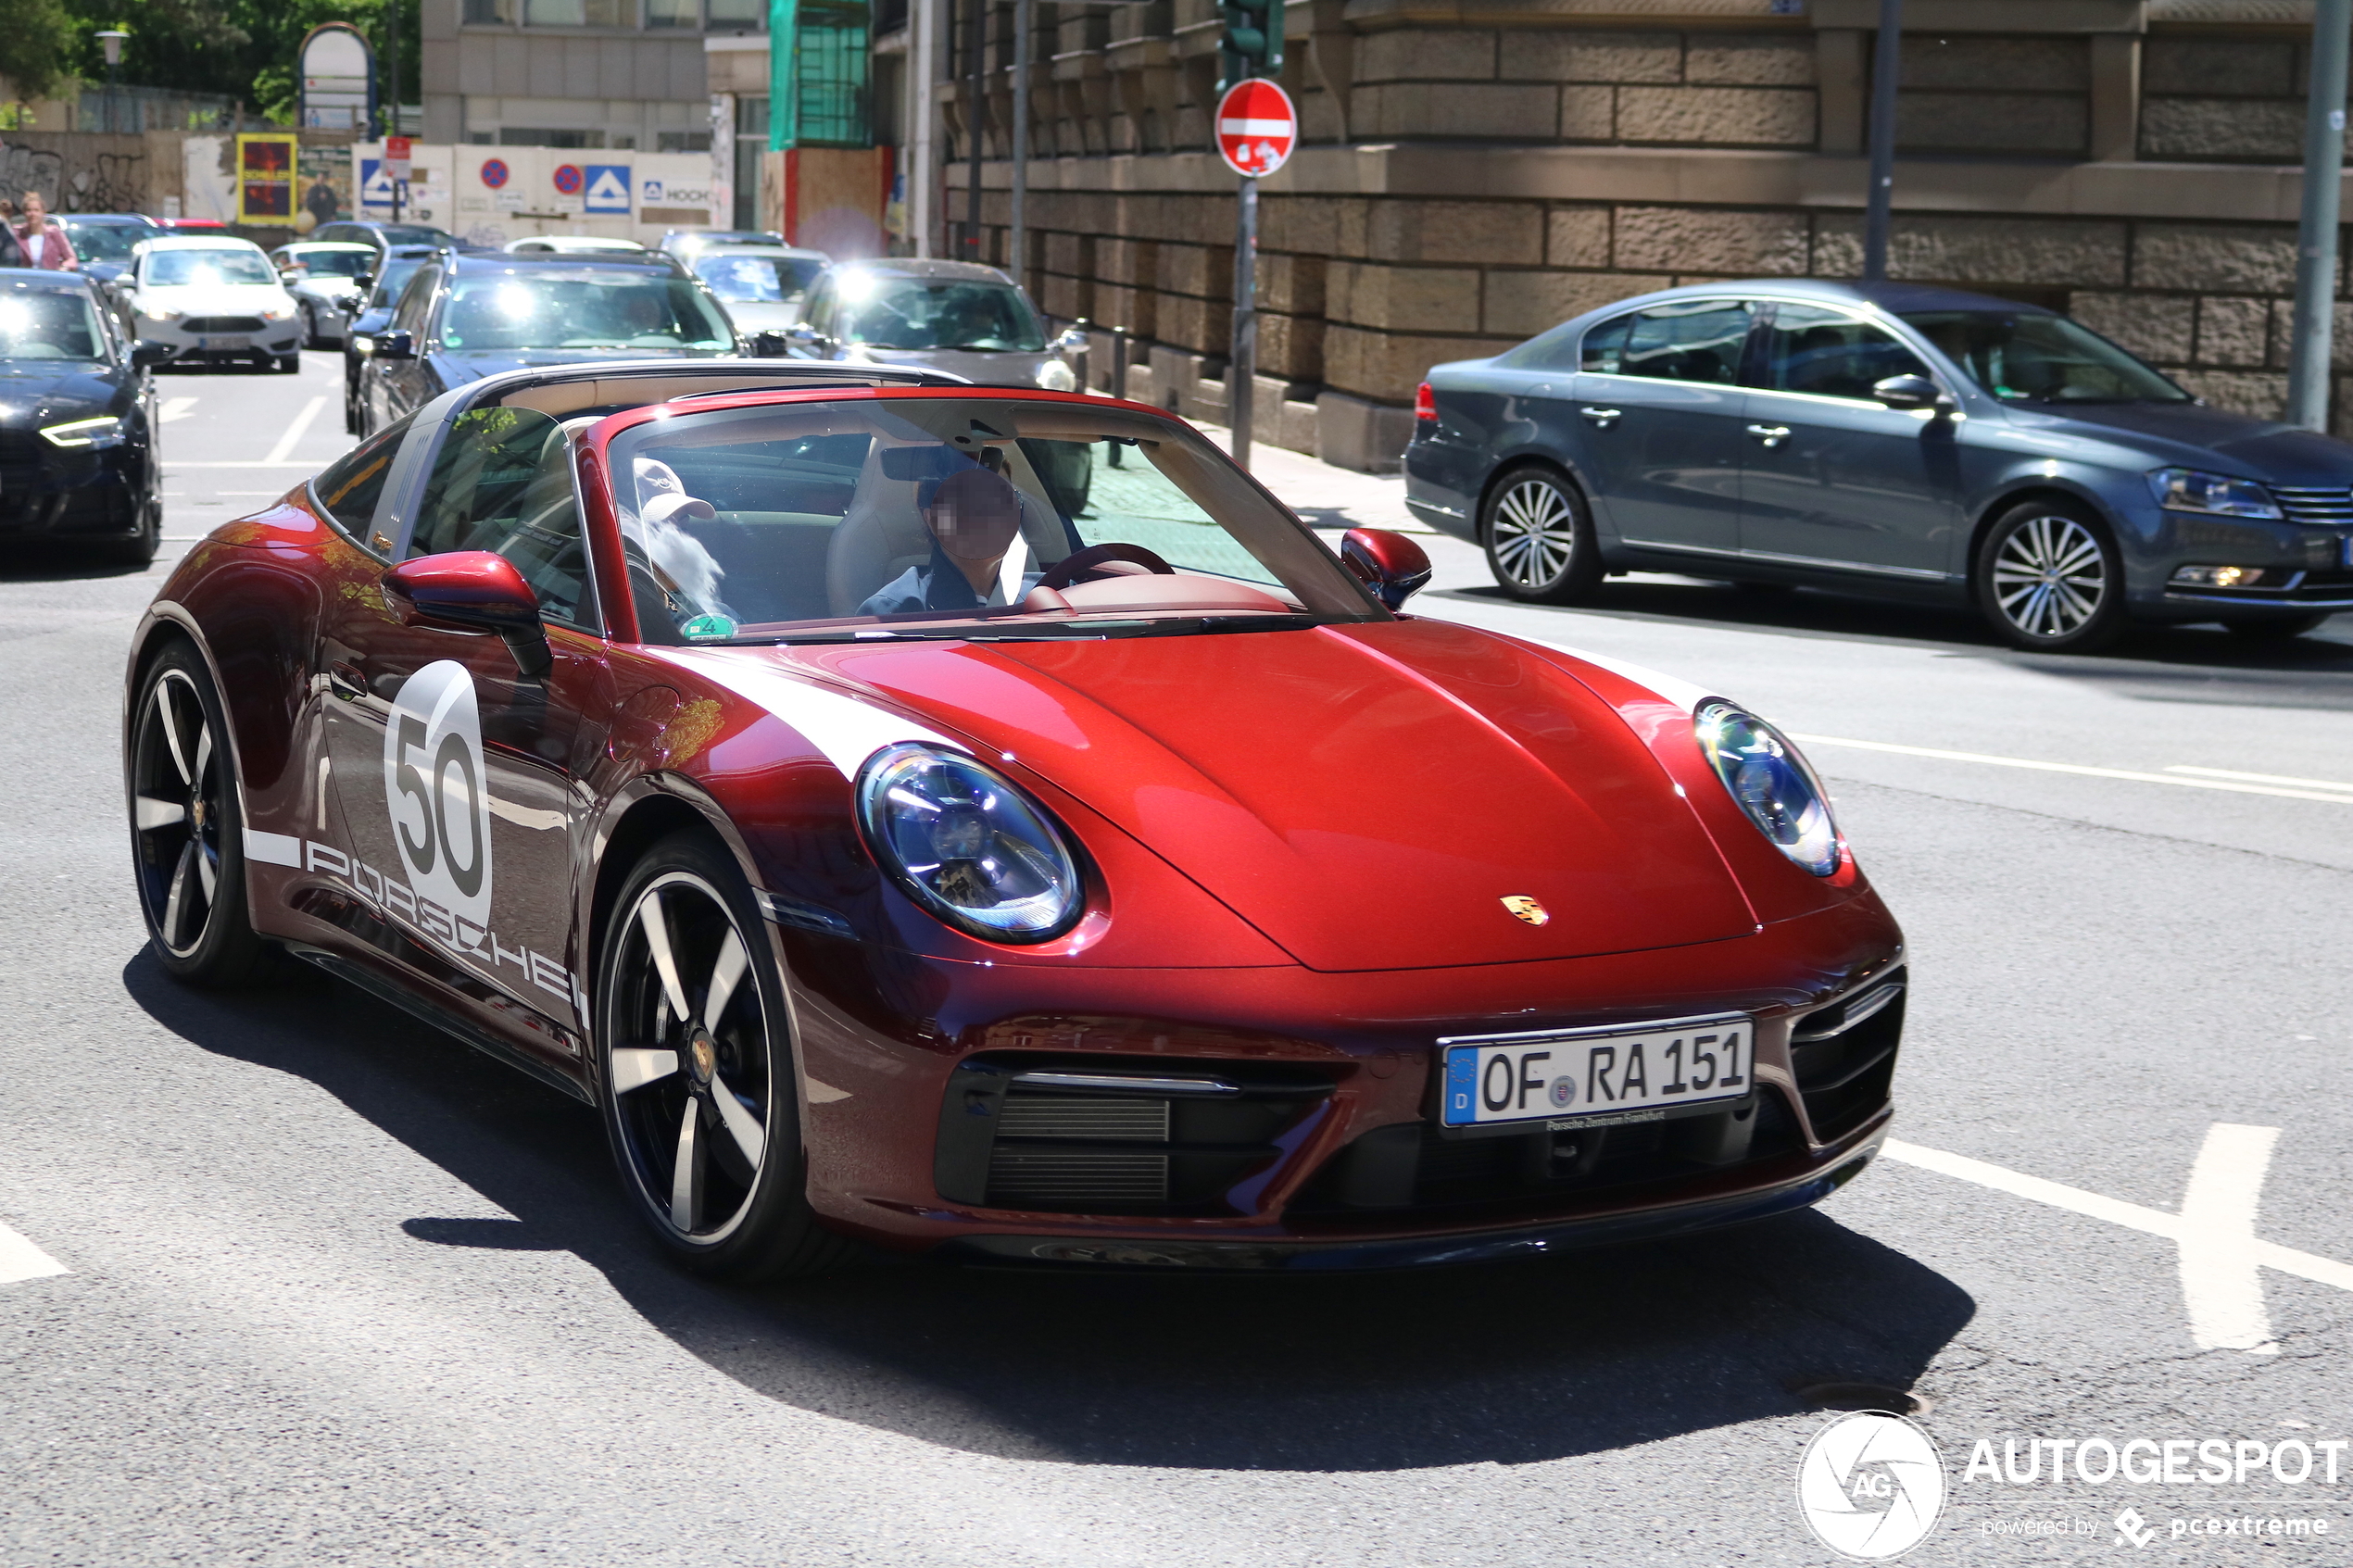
(1870, 1485)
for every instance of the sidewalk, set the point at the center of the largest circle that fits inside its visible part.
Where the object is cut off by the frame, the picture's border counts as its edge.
(1323, 495)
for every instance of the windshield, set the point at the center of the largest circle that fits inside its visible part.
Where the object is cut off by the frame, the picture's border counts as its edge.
(963, 517)
(936, 313)
(547, 307)
(395, 278)
(107, 242)
(334, 263)
(172, 268)
(757, 280)
(2033, 358)
(49, 324)
(414, 234)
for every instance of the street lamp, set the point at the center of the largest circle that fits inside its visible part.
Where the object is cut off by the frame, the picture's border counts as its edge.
(111, 42)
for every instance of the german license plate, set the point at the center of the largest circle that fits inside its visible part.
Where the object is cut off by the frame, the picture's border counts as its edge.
(224, 343)
(1596, 1075)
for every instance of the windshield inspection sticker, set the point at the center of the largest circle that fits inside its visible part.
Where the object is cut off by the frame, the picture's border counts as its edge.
(434, 789)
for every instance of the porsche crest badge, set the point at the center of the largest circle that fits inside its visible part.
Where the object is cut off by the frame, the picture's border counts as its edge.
(1527, 909)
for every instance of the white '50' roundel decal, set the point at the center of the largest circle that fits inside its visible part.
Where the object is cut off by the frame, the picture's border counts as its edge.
(435, 787)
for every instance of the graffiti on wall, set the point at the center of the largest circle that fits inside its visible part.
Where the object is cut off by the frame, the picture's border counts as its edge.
(74, 181)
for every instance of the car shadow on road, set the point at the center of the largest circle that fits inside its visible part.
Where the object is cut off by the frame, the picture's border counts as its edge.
(2192, 663)
(44, 563)
(1505, 1364)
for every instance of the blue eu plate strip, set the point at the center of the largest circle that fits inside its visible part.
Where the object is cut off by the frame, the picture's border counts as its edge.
(1462, 1082)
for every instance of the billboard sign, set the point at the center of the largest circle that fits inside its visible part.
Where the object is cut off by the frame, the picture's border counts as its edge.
(266, 178)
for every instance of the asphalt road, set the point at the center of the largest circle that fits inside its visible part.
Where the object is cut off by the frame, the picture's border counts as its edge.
(338, 1291)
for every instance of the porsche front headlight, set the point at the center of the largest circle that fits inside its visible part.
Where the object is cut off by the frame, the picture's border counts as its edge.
(1771, 783)
(969, 844)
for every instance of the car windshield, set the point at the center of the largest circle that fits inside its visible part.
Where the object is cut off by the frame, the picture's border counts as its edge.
(49, 324)
(551, 307)
(757, 280)
(414, 234)
(334, 263)
(172, 268)
(2033, 357)
(106, 241)
(393, 278)
(955, 517)
(937, 313)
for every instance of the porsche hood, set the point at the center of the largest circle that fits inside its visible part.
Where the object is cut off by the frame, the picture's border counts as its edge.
(1393, 796)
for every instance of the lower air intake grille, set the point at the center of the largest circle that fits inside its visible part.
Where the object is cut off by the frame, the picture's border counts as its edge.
(1053, 1178)
(1069, 1117)
(221, 324)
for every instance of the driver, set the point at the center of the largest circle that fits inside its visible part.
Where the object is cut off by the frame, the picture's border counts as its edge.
(975, 517)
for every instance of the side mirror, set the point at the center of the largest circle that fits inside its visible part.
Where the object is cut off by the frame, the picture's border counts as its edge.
(1909, 392)
(472, 591)
(147, 352)
(395, 345)
(1392, 566)
(770, 343)
(364, 282)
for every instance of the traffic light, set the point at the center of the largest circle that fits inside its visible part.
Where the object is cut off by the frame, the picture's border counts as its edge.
(1253, 43)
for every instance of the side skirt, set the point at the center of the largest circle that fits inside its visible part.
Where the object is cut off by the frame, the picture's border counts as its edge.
(400, 996)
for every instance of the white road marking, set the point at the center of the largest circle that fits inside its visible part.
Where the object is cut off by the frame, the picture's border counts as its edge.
(21, 1260)
(2344, 796)
(295, 431)
(2220, 1280)
(2199, 1228)
(175, 408)
(2257, 778)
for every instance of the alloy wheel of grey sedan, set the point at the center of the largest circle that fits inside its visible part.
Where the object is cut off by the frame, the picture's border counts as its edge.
(1540, 545)
(2048, 579)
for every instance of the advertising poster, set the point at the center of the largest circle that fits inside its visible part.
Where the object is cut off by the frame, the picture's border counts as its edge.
(323, 175)
(266, 178)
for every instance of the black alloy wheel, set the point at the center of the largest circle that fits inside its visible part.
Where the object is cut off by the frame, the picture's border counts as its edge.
(696, 1070)
(187, 828)
(2272, 627)
(2049, 579)
(1538, 535)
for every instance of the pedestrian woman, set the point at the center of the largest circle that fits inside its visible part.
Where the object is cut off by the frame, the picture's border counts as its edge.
(11, 253)
(43, 240)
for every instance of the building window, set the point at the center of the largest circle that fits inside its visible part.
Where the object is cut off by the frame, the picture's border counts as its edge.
(524, 136)
(751, 15)
(830, 98)
(674, 13)
(751, 140)
(681, 141)
(490, 13)
(578, 13)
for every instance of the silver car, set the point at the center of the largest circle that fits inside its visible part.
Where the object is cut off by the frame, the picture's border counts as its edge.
(763, 287)
(328, 279)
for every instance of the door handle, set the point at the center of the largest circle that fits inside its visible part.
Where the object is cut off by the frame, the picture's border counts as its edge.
(1771, 435)
(1601, 418)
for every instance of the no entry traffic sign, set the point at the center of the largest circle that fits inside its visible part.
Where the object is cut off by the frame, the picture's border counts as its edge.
(1257, 127)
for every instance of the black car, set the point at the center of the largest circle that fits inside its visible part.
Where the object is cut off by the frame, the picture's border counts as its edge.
(77, 419)
(464, 316)
(1890, 439)
(393, 271)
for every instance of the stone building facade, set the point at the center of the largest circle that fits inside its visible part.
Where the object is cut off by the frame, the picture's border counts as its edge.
(1475, 170)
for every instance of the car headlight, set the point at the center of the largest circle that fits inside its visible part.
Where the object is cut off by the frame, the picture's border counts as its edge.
(1771, 783)
(968, 844)
(2188, 490)
(104, 431)
(277, 312)
(1055, 376)
(160, 317)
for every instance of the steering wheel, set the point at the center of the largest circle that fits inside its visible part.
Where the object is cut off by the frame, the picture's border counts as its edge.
(1078, 563)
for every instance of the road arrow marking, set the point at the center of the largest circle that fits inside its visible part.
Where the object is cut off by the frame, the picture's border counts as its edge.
(21, 1260)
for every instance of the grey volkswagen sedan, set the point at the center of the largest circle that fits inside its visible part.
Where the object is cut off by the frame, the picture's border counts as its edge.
(1887, 439)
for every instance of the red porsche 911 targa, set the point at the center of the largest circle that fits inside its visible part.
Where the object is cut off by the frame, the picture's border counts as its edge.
(988, 822)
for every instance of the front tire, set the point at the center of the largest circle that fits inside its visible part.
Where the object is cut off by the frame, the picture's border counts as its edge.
(2049, 579)
(290, 364)
(1538, 534)
(696, 1070)
(140, 548)
(187, 828)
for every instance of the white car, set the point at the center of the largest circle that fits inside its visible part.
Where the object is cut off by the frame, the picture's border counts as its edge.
(571, 244)
(327, 280)
(762, 286)
(213, 298)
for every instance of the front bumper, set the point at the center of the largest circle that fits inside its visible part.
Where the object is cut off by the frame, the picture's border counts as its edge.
(2307, 566)
(265, 339)
(46, 492)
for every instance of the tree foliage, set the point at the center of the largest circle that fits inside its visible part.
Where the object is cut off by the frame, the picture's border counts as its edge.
(242, 49)
(37, 45)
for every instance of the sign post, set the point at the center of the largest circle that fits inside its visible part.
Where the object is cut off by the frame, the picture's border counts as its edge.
(1257, 127)
(396, 151)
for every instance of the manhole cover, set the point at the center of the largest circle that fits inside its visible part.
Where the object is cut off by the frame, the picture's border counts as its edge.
(1834, 1395)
